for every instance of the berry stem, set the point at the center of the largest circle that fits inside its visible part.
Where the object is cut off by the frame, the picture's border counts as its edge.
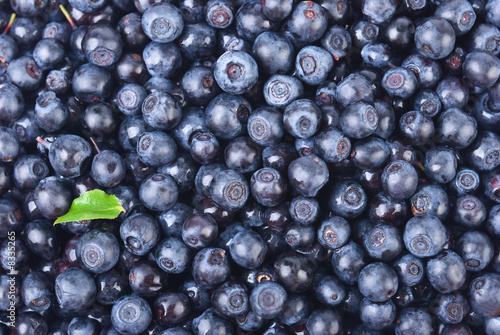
(420, 165)
(11, 21)
(43, 142)
(68, 17)
(95, 146)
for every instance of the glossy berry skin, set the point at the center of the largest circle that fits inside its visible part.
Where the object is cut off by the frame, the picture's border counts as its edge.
(485, 37)
(481, 69)
(219, 14)
(52, 197)
(251, 21)
(383, 242)
(332, 145)
(140, 233)
(162, 22)
(493, 222)
(302, 118)
(210, 267)
(197, 41)
(446, 271)
(25, 73)
(204, 147)
(399, 180)
(158, 192)
(268, 187)
(465, 181)
(209, 322)
(428, 71)
(304, 210)
(161, 110)
(199, 230)
(307, 22)
(377, 315)
(469, 211)
(171, 308)
(37, 291)
(347, 199)
(242, 155)
(378, 282)
(298, 236)
(129, 99)
(162, 59)
(69, 155)
(476, 249)
(28, 171)
(50, 113)
(424, 236)
(97, 251)
(273, 62)
(172, 255)
(440, 164)
(226, 115)
(11, 102)
(313, 64)
(75, 290)
(427, 101)
(301, 172)
(347, 261)
(146, 279)
(265, 126)
(430, 199)
(484, 153)
(111, 285)
(359, 120)
(417, 127)
(324, 321)
(411, 319)
(435, 38)
(91, 83)
(199, 85)
(399, 82)
(337, 41)
(410, 270)
(248, 249)
(102, 45)
(281, 90)
(329, 290)
(459, 14)
(456, 129)
(156, 148)
(131, 314)
(108, 168)
(370, 153)
(333, 232)
(483, 294)
(290, 268)
(268, 299)
(364, 32)
(450, 308)
(229, 190)
(231, 299)
(236, 72)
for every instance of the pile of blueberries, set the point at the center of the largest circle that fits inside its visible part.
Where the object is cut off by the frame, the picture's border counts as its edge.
(287, 167)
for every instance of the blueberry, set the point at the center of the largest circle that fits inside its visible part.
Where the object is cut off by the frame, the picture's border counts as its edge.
(111, 285)
(156, 148)
(28, 171)
(376, 54)
(378, 282)
(377, 315)
(268, 300)
(476, 249)
(199, 230)
(161, 110)
(410, 270)
(481, 68)
(485, 37)
(131, 315)
(210, 267)
(354, 88)
(483, 294)
(75, 290)
(209, 322)
(91, 83)
(25, 73)
(332, 145)
(411, 319)
(347, 262)
(251, 20)
(219, 14)
(295, 271)
(11, 102)
(171, 308)
(229, 190)
(162, 59)
(383, 242)
(298, 308)
(364, 32)
(307, 22)
(386, 119)
(357, 114)
(424, 236)
(236, 72)
(281, 90)
(430, 199)
(158, 192)
(399, 180)
(226, 115)
(469, 211)
(37, 292)
(231, 299)
(435, 38)
(347, 199)
(97, 251)
(324, 321)
(329, 290)
(162, 22)
(52, 197)
(459, 13)
(312, 64)
(450, 308)
(139, 233)
(399, 82)
(242, 155)
(301, 172)
(427, 71)
(172, 255)
(446, 271)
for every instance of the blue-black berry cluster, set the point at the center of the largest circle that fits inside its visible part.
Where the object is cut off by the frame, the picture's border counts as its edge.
(287, 167)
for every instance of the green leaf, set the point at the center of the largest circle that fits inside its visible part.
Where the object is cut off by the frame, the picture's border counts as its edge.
(95, 204)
